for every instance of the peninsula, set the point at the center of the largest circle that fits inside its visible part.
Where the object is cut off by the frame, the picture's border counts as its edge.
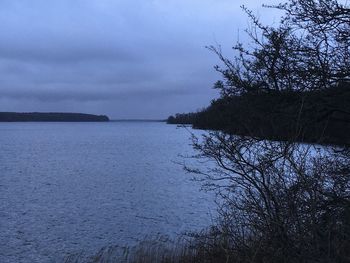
(50, 117)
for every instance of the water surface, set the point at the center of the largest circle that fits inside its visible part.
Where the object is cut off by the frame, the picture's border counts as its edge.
(70, 187)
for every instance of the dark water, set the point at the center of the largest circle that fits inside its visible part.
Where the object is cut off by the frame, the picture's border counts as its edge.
(71, 187)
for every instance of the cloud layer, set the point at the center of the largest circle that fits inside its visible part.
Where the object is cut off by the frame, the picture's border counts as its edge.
(127, 59)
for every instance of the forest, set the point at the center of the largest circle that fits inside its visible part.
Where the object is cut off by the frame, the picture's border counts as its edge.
(50, 117)
(322, 116)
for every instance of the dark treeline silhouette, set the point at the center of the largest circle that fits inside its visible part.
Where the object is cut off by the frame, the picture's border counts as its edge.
(50, 117)
(182, 118)
(321, 116)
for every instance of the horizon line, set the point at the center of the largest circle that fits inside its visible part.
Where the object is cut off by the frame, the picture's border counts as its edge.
(138, 119)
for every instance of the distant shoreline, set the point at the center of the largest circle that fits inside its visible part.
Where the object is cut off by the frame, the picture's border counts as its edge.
(136, 120)
(51, 117)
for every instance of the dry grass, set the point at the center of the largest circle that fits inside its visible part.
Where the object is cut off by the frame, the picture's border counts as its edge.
(183, 250)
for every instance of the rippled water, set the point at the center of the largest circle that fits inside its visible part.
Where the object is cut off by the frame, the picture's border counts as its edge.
(71, 187)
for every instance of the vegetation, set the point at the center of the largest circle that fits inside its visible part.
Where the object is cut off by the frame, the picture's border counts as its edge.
(182, 118)
(280, 200)
(48, 117)
(297, 72)
(322, 116)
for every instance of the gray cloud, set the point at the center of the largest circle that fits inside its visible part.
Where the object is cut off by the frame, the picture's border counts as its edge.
(129, 59)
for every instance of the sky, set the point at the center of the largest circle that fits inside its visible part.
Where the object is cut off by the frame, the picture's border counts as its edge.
(130, 59)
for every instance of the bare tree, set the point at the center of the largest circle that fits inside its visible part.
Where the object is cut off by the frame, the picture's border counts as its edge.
(309, 50)
(282, 201)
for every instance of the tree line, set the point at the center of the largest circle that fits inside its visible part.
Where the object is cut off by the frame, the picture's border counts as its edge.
(322, 116)
(50, 117)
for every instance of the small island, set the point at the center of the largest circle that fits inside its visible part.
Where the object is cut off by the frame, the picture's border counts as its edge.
(50, 117)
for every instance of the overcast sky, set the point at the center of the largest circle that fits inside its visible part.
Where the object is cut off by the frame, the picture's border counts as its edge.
(126, 59)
